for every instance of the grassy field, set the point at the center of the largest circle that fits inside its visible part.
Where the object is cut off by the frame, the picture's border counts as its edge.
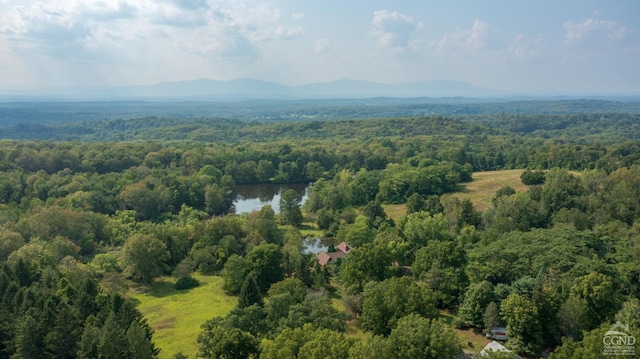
(176, 315)
(308, 228)
(395, 211)
(485, 184)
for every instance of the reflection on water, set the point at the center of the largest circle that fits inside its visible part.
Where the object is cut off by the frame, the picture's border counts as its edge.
(314, 246)
(252, 197)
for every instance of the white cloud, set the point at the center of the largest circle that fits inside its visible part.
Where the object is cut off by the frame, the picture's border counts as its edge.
(225, 42)
(78, 28)
(620, 33)
(394, 30)
(480, 36)
(523, 47)
(190, 4)
(237, 31)
(62, 29)
(592, 29)
(322, 45)
(297, 15)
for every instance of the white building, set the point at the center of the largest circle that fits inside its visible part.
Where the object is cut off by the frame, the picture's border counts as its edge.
(493, 346)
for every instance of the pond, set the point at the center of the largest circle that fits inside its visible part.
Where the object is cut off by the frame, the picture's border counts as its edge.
(315, 245)
(252, 197)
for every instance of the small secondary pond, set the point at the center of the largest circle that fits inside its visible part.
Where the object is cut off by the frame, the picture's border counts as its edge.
(314, 245)
(253, 197)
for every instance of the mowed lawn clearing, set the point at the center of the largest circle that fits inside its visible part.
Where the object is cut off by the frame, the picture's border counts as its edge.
(176, 315)
(395, 211)
(485, 184)
(472, 341)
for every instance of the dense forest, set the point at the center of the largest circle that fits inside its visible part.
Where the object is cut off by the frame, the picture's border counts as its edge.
(89, 206)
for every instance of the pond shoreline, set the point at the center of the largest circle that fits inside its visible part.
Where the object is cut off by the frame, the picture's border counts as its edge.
(253, 197)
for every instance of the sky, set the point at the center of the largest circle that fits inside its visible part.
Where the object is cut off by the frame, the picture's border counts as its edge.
(572, 46)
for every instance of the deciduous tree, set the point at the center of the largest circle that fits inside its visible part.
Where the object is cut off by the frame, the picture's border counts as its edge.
(234, 273)
(219, 341)
(476, 299)
(290, 211)
(267, 263)
(523, 326)
(421, 338)
(144, 257)
(388, 301)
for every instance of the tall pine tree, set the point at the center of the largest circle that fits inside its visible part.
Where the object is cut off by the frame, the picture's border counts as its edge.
(250, 293)
(62, 340)
(139, 346)
(28, 339)
(113, 343)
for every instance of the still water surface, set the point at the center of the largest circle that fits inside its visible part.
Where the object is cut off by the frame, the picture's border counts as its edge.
(314, 245)
(252, 197)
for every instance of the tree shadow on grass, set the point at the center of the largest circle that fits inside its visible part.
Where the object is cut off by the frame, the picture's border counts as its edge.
(307, 227)
(162, 288)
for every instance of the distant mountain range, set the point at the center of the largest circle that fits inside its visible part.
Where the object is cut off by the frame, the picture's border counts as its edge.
(205, 89)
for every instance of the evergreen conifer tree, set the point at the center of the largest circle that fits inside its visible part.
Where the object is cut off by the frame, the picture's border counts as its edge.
(250, 293)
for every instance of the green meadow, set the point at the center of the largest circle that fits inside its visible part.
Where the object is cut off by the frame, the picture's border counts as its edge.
(176, 315)
(484, 185)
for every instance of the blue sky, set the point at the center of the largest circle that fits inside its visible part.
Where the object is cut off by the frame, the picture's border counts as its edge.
(573, 46)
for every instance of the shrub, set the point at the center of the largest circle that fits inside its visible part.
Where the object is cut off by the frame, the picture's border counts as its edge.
(186, 283)
(532, 177)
